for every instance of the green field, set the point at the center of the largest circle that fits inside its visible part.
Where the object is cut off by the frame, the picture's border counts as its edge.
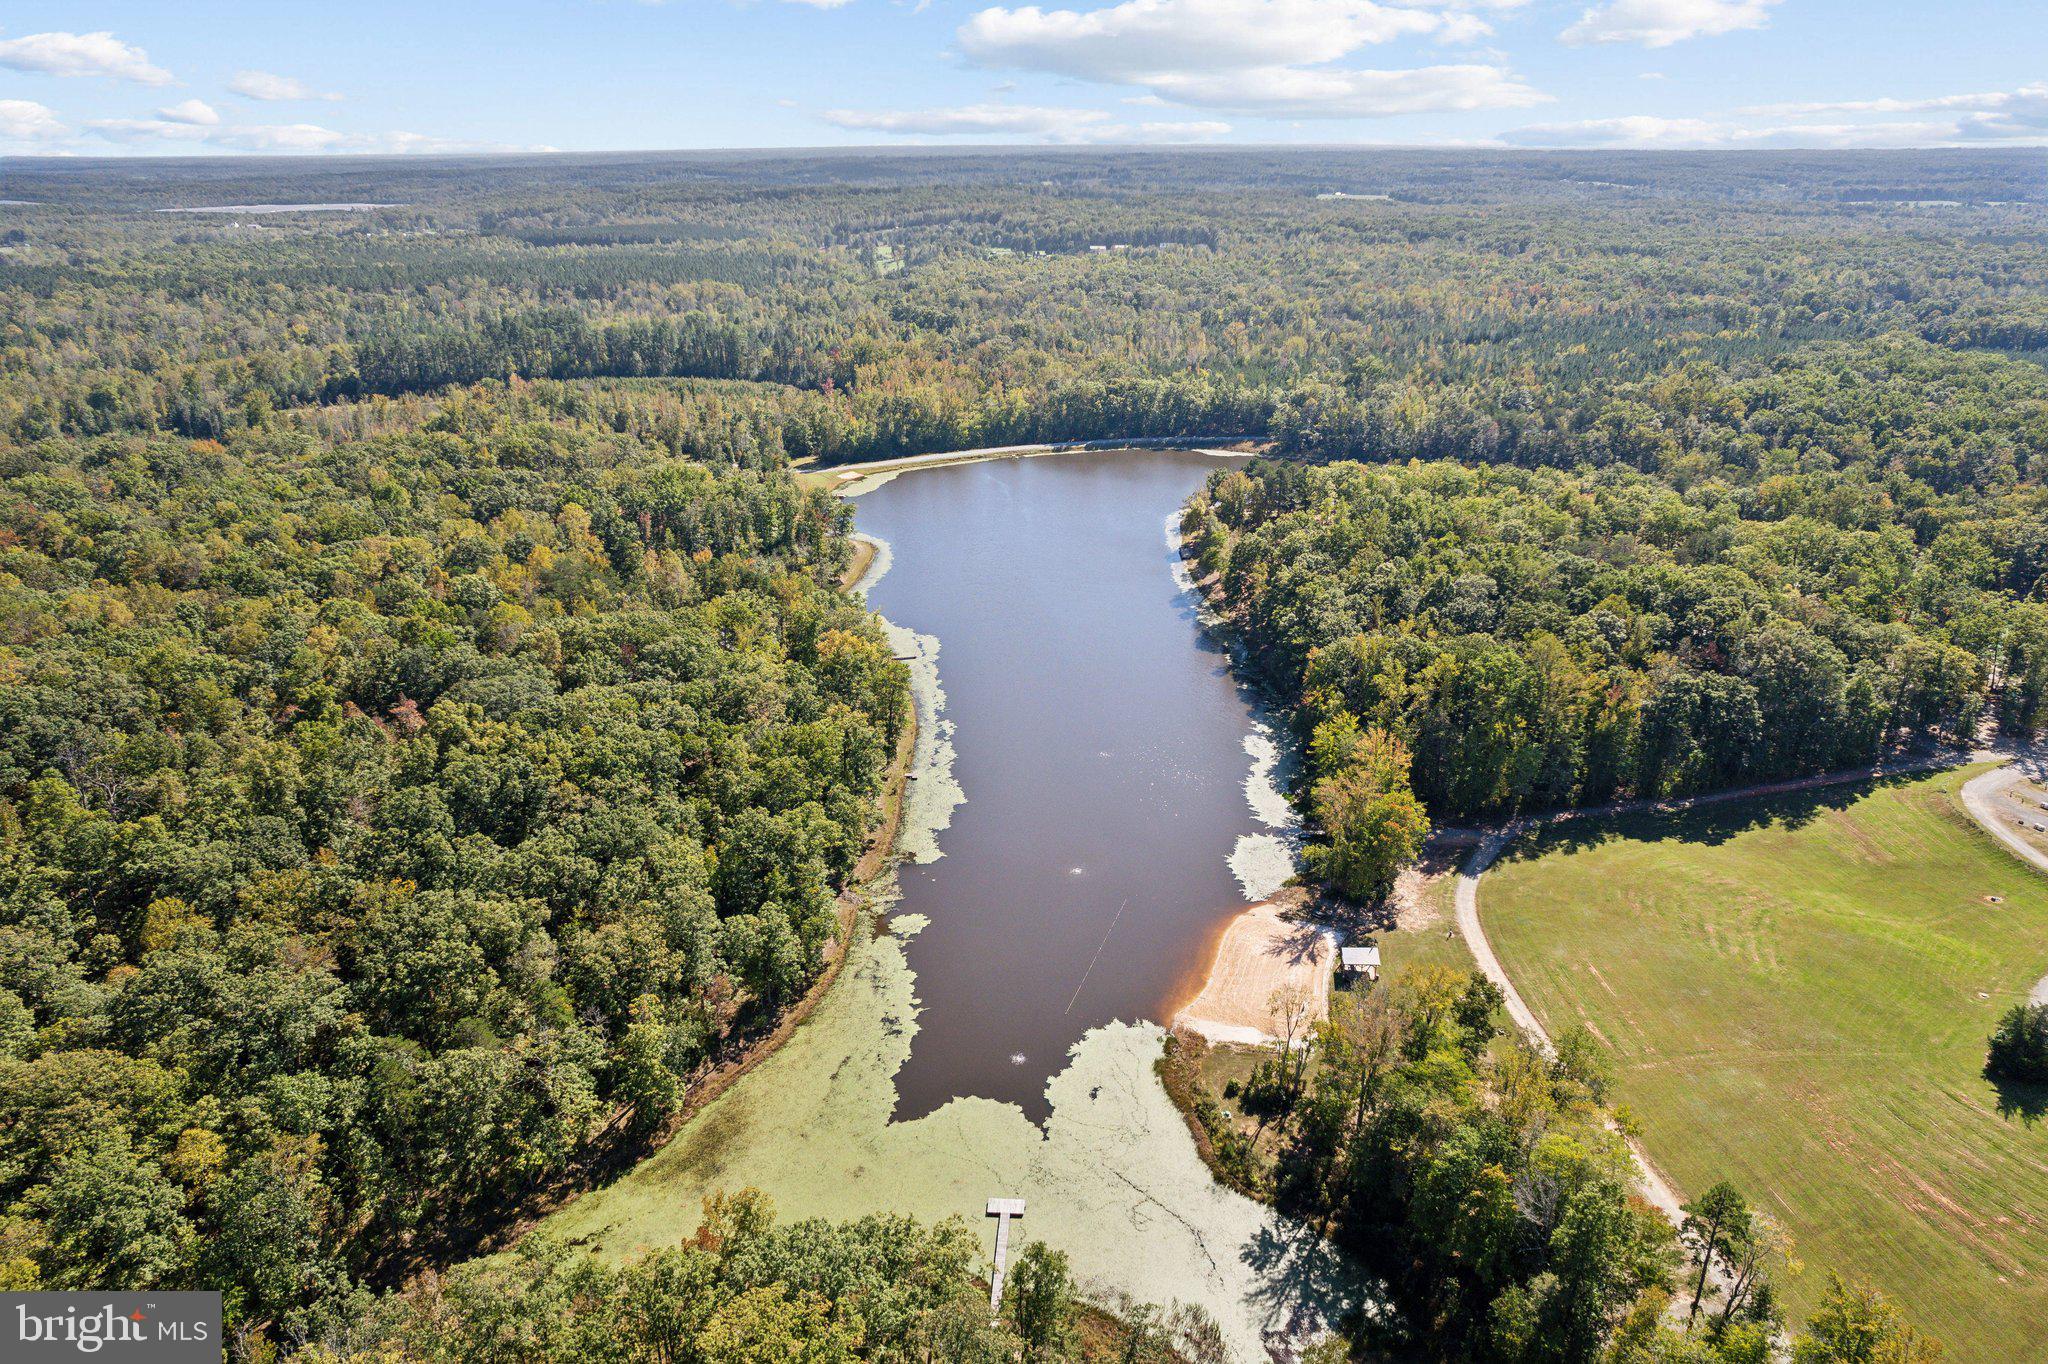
(1796, 993)
(1435, 942)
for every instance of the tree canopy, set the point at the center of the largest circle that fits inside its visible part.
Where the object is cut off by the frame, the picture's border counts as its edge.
(385, 819)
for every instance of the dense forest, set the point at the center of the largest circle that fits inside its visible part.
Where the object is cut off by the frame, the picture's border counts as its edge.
(1742, 576)
(387, 820)
(432, 730)
(942, 301)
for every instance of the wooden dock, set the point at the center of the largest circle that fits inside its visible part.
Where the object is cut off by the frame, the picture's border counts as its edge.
(1002, 1209)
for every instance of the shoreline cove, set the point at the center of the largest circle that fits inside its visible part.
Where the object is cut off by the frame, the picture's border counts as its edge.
(857, 478)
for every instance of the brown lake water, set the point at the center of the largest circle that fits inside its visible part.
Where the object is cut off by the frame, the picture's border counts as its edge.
(1110, 771)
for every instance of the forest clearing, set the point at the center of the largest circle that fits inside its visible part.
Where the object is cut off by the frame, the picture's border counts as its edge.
(1794, 991)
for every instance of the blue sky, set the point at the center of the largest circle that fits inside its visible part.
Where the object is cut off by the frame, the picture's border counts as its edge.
(83, 77)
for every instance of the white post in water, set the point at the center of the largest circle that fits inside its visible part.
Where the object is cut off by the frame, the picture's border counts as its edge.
(1002, 1209)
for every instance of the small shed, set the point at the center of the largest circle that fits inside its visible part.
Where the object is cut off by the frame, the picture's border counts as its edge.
(1363, 961)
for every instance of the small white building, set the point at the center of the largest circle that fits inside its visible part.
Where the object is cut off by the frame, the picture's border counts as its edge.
(1364, 961)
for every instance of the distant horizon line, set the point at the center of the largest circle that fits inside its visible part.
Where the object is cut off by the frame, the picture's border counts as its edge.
(919, 149)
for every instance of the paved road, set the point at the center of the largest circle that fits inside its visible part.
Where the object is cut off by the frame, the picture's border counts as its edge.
(1655, 1188)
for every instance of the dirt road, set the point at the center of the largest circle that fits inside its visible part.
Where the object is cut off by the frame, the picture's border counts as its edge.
(1980, 798)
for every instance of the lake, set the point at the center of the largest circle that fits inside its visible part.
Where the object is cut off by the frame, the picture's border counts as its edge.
(1107, 765)
(1088, 775)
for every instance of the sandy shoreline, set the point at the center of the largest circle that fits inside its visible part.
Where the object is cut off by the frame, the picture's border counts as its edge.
(853, 479)
(1268, 946)
(865, 548)
(1264, 950)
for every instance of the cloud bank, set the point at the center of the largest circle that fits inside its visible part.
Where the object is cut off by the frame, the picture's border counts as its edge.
(1258, 57)
(81, 54)
(1660, 23)
(264, 85)
(1036, 122)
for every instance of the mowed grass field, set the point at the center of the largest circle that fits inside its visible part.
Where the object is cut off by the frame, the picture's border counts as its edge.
(1795, 993)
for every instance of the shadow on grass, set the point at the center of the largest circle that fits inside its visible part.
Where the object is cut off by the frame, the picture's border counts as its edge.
(1711, 824)
(2019, 1099)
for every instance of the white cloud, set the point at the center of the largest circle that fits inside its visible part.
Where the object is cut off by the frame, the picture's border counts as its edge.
(2012, 116)
(1660, 23)
(141, 129)
(1134, 41)
(1876, 106)
(23, 120)
(1038, 122)
(1647, 132)
(1641, 130)
(427, 144)
(81, 54)
(267, 86)
(1337, 92)
(242, 137)
(1259, 57)
(1462, 27)
(196, 111)
(1022, 120)
(2024, 107)
(1197, 130)
(285, 138)
(1989, 116)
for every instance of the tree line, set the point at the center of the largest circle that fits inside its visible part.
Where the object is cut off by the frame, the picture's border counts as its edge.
(745, 1290)
(939, 307)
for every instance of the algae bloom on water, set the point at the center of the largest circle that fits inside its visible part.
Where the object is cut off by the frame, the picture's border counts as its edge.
(1113, 1178)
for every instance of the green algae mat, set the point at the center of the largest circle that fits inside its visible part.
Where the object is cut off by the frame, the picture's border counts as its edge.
(1112, 1179)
